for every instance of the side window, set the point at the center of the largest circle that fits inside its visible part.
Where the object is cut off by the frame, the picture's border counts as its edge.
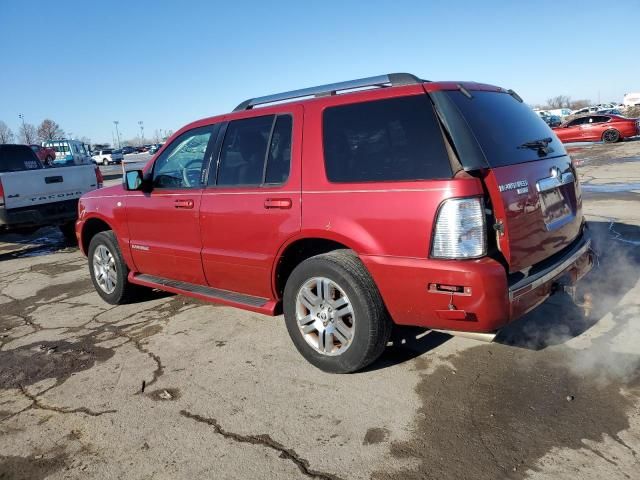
(279, 155)
(393, 139)
(600, 119)
(244, 150)
(577, 121)
(180, 165)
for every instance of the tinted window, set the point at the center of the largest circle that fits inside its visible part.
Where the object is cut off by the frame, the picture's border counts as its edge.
(394, 139)
(15, 158)
(279, 155)
(600, 119)
(577, 121)
(244, 150)
(180, 165)
(501, 124)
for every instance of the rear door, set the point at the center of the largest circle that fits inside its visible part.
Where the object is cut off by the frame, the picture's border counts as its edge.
(531, 184)
(593, 127)
(164, 227)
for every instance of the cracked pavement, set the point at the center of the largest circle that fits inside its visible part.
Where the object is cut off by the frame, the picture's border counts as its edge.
(171, 387)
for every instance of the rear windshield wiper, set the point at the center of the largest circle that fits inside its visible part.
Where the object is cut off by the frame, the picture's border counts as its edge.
(541, 145)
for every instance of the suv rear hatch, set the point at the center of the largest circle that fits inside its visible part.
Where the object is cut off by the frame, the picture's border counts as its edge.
(533, 190)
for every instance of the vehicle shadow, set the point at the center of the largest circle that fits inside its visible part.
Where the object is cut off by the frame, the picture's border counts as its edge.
(559, 319)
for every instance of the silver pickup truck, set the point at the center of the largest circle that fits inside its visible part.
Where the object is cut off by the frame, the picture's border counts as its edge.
(32, 196)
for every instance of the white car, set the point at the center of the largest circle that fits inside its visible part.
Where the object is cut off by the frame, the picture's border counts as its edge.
(585, 110)
(107, 156)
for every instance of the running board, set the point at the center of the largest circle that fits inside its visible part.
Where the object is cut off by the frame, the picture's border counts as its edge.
(247, 302)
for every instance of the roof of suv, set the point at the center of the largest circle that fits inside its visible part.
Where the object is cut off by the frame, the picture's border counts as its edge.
(369, 85)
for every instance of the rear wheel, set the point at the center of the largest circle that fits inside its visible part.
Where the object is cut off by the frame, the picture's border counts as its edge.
(334, 313)
(105, 162)
(109, 271)
(611, 136)
(48, 160)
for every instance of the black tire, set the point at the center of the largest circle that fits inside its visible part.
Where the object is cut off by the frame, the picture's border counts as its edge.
(611, 136)
(372, 322)
(124, 291)
(69, 232)
(105, 162)
(49, 161)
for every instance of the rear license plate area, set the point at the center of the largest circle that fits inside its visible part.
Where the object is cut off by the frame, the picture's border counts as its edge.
(555, 208)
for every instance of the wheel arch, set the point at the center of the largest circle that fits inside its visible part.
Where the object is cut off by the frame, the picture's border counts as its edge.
(90, 228)
(300, 248)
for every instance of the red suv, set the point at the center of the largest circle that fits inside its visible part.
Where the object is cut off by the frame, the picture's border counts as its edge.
(447, 205)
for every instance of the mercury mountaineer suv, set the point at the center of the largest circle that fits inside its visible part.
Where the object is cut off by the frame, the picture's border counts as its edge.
(351, 207)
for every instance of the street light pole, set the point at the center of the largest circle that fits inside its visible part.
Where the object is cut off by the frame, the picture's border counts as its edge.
(116, 122)
(141, 132)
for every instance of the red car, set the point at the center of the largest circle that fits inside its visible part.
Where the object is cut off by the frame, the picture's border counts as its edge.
(446, 205)
(45, 154)
(598, 127)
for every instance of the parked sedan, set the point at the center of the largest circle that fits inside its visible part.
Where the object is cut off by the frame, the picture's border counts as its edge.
(593, 128)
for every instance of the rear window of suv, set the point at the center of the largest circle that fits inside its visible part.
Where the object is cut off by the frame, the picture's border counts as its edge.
(384, 140)
(16, 158)
(500, 124)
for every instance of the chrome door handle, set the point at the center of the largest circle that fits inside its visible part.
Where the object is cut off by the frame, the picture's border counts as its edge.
(282, 203)
(188, 204)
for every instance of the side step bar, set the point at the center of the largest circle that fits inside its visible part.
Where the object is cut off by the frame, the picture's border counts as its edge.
(216, 295)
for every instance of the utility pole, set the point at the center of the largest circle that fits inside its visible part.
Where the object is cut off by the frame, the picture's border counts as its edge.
(141, 132)
(24, 128)
(116, 122)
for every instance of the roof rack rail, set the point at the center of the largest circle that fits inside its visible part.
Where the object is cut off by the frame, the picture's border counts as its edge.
(390, 79)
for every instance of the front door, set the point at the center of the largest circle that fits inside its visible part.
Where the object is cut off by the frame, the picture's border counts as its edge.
(163, 224)
(252, 205)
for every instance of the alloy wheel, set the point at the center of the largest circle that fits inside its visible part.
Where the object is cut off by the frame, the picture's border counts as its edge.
(325, 316)
(104, 269)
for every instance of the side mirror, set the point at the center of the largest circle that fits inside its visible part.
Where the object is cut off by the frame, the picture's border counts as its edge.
(133, 180)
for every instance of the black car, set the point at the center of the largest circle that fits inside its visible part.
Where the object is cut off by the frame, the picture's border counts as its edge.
(127, 150)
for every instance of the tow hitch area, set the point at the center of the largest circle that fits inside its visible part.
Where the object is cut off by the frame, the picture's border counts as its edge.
(584, 303)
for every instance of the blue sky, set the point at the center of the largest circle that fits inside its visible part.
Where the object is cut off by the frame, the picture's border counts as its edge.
(85, 64)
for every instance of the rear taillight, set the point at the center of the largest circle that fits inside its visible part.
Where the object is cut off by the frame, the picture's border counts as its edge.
(99, 177)
(460, 229)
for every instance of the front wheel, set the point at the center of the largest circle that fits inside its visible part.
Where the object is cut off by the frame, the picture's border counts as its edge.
(611, 136)
(334, 313)
(109, 271)
(105, 162)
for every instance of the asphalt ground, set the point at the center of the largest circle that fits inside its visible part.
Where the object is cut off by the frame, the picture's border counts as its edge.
(171, 387)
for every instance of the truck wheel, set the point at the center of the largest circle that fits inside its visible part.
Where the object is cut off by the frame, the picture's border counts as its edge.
(48, 161)
(109, 271)
(69, 232)
(105, 162)
(334, 313)
(611, 136)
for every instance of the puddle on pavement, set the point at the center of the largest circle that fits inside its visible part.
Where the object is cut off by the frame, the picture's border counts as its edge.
(31, 468)
(504, 408)
(610, 187)
(30, 364)
(43, 242)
